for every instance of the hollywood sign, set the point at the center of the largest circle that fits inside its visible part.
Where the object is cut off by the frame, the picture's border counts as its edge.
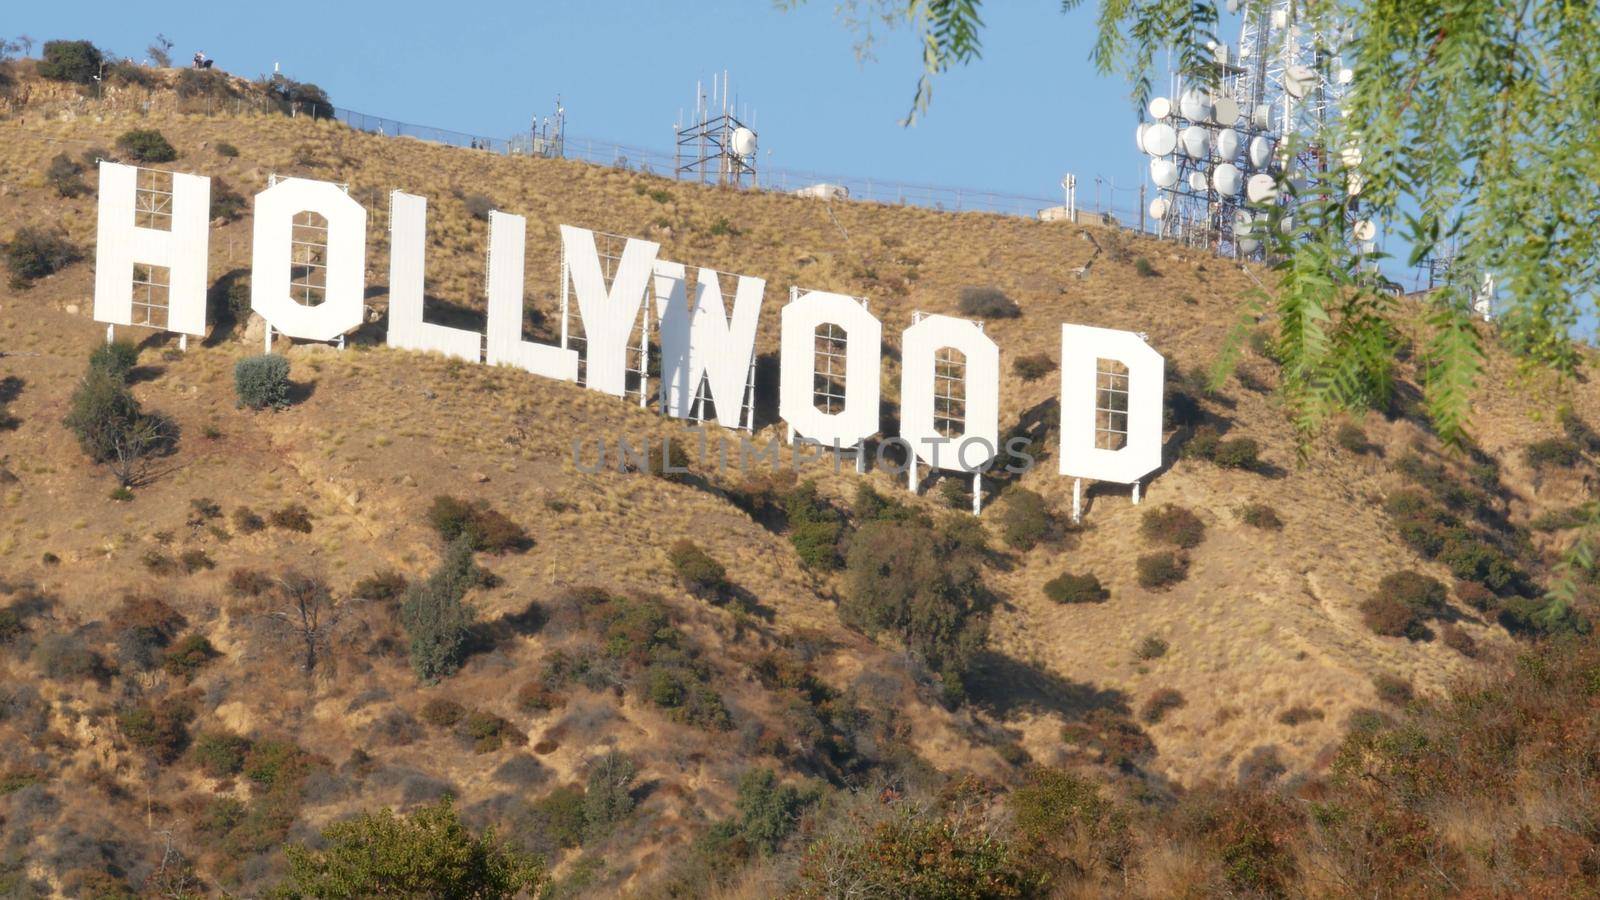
(831, 344)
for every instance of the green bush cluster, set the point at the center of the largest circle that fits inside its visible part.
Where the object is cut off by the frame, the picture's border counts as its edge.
(1404, 601)
(1025, 519)
(146, 145)
(75, 61)
(485, 529)
(436, 619)
(1033, 366)
(262, 382)
(1229, 453)
(1260, 515)
(1158, 571)
(1172, 524)
(65, 174)
(815, 527)
(699, 574)
(1436, 533)
(34, 253)
(1070, 588)
(987, 303)
(1553, 453)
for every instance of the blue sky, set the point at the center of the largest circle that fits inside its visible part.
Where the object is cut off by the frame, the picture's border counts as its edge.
(1030, 111)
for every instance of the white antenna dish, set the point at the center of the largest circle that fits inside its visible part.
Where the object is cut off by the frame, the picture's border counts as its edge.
(1197, 181)
(1243, 224)
(1227, 142)
(1262, 116)
(1227, 179)
(1194, 105)
(1353, 184)
(1158, 208)
(1138, 136)
(1164, 172)
(744, 141)
(1160, 139)
(1365, 231)
(1280, 18)
(1196, 141)
(1351, 156)
(1347, 75)
(1249, 245)
(1160, 107)
(1227, 110)
(1299, 80)
(1260, 151)
(1261, 188)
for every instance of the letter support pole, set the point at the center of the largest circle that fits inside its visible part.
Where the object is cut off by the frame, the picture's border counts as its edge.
(1077, 501)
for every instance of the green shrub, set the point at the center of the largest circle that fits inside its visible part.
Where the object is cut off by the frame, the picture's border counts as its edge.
(1171, 524)
(1237, 453)
(227, 150)
(1033, 366)
(1159, 703)
(188, 656)
(436, 619)
(1392, 689)
(442, 712)
(1352, 438)
(111, 427)
(1260, 515)
(489, 732)
(195, 560)
(160, 728)
(486, 530)
(478, 206)
(65, 175)
(954, 493)
(917, 853)
(1476, 596)
(1150, 648)
(700, 575)
(146, 145)
(429, 853)
(768, 811)
(1562, 519)
(262, 382)
(1403, 601)
(293, 517)
(608, 797)
(909, 579)
(1025, 519)
(246, 521)
(220, 754)
(1065, 814)
(1070, 588)
(1144, 268)
(35, 253)
(560, 815)
(1202, 444)
(1161, 570)
(814, 527)
(1553, 453)
(987, 303)
(1474, 559)
(74, 61)
(115, 359)
(381, 586)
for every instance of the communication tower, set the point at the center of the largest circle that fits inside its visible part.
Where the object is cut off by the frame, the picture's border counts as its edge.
(717, 147)
(1220, 147)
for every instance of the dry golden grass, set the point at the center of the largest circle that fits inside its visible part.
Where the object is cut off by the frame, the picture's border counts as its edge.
(1265, 621)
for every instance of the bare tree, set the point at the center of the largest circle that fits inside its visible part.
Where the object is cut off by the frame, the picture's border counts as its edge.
(310, 612)
(161, 51)
(134, 447)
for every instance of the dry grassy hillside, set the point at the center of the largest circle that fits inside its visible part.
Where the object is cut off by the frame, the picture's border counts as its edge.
(1264, 639)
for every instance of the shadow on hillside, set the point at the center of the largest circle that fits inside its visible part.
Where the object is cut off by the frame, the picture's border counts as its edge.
(740, 598)
(218, 310)
(301, 391)
(1002, 686)
(11, 388)
(485, 637)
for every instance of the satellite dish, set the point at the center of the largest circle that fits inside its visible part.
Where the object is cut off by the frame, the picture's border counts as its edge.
(1261, 188)
(1194, 105)
(1164, 172)
(1347, 75)
(1197, 181)
(1160, 107)
(1299, 80)
(1227, 110)
(1227, 179)
(744, 141)
(1196, 141)
(1260, 151)
(1262, 116)
(1227, 141)
(1243, 224)
(1160, 139)
(1365, 231)
(1353, 184)
(1286, 224)
(1351, 157)
(1249, 245)
(1138, 136)
(1158, 208)
(1280, 18)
